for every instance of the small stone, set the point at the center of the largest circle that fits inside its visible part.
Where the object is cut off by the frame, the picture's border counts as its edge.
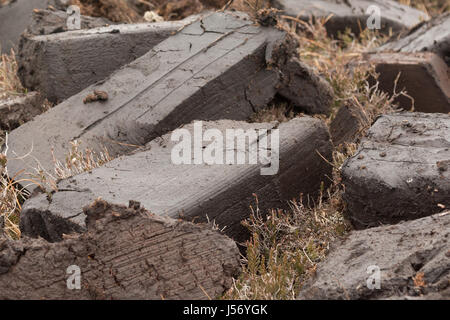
(152, 16)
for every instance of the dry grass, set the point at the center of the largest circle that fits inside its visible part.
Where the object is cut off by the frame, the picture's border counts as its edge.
(286, 246)
(285, 249)
(250, 6)
(280, 111)
(431, 7)
(114, 10)
(133, 11)
(10, 84)
(332, 58)
(11, 197)
(11, 194)
(341, 62)
(13, 191)
(78, 161)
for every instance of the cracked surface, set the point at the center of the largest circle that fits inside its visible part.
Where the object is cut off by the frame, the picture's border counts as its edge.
(403, 252)
(193, 75)
(125, 254)
(394, 175)
(221, 192)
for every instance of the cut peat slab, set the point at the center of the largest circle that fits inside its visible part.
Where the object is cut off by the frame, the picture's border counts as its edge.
(16, 111)
(45, 22)
(431, 36)
(155, 258)
(219, 192)
(410, 260)
(401, 170)
(62, 64)
(348, 125)
(31, 16)
(352, 14)
(222, 66)
(424, 77)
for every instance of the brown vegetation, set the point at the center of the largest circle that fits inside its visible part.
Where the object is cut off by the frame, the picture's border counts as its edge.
(10, 84)
(114, 10)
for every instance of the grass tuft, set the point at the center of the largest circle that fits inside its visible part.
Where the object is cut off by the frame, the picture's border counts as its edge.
(10, 84)
(277, 110)
(13, 191)
(431, 7)
(78, 161)
(11, 198)
(287, 245)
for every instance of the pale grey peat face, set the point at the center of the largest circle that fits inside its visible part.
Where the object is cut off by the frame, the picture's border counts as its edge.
(215, 149)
